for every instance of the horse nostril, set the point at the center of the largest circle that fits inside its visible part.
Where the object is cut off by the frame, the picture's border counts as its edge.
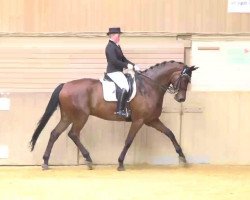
(181, 100)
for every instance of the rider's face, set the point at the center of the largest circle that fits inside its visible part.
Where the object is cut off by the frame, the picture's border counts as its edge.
(116, 38)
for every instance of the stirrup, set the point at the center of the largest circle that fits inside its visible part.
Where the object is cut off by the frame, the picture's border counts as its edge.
(122, 113)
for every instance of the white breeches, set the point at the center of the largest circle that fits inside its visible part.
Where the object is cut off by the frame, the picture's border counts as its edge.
(120, 79)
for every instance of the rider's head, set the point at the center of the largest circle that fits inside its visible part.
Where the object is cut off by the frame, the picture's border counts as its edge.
(114, 34)
(115, 37)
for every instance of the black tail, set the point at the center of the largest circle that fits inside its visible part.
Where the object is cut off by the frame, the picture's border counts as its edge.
(51, 107)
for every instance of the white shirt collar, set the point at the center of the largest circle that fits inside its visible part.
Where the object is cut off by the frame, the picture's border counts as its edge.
(114, 42)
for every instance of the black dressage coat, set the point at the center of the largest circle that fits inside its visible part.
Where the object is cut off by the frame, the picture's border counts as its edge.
(115, 58)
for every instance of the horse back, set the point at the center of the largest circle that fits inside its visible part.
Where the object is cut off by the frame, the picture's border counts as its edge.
(80, 86)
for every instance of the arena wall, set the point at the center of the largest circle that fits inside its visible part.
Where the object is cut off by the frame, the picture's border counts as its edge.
(149, 16)
(44, 43)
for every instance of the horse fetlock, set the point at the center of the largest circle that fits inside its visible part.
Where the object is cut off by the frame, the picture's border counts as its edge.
(121, 167)
(182, 159)
(46, 159)
(87, 157)
(179, 151)
(89, 165)
(120, 160)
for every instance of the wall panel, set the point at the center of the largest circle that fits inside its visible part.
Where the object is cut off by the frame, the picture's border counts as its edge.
(219, 133)
(214, 130)
(18, 125)
(224, 64)
(173, 16)
(39, 64)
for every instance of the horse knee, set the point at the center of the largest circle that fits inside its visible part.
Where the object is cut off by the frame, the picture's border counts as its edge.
(54, 135)
(72, 135)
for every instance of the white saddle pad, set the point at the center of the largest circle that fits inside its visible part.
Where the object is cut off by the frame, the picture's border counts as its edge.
(109, 90)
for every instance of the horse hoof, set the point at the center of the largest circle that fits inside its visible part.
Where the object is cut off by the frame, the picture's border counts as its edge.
(45, 166)
(89, 165)
(183, 161)
(120, 168)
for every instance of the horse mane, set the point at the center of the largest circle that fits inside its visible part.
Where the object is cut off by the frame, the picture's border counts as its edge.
(160, 65)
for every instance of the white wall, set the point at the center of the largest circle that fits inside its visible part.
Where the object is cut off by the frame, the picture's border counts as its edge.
(219, 133)
(224, 65)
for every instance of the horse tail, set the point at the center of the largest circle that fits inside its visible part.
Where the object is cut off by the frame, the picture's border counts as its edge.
(50, 109)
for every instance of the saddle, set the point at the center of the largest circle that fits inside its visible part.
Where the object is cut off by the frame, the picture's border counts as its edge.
(111, 90)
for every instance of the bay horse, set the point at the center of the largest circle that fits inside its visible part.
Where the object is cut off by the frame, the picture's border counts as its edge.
(78, 99)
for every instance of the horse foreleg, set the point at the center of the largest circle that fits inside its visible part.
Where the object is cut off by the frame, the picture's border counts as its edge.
(74, 135)
(134, 128)
(158, 125)
(61, 126)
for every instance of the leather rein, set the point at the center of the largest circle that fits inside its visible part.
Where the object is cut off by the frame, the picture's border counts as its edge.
(171, 88)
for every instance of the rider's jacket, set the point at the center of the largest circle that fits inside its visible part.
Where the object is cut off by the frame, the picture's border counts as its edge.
(115, 58)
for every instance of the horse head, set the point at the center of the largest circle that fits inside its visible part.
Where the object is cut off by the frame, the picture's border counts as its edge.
(180, 81)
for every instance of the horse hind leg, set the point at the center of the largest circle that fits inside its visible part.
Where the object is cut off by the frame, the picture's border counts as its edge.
(57, 131)
(74, 134)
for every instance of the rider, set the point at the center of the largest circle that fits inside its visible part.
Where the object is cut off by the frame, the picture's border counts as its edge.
(116, 63)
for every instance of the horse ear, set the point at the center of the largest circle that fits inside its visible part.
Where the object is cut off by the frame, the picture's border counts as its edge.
(193, 68)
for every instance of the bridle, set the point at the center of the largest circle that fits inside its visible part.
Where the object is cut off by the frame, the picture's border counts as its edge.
(172, 88)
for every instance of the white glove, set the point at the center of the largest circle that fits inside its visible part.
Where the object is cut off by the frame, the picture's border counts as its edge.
(137, 68)
(130, 67)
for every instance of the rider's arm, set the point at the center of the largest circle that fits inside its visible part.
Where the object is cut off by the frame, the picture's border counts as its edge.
(127, 61)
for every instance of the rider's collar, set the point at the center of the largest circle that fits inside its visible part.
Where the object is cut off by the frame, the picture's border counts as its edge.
(114, 42)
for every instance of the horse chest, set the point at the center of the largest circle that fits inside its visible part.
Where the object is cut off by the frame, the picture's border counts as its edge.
(153, 108)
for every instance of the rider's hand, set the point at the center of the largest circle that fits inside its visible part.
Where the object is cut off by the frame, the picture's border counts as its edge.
(137, 68)
(130, 67)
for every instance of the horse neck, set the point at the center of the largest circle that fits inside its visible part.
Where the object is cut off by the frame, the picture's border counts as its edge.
(163, 75)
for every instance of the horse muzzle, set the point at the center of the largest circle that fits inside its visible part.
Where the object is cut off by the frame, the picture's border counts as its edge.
(180, 97)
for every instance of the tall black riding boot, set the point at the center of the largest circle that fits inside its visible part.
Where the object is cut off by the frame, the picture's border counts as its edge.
(121, 104)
